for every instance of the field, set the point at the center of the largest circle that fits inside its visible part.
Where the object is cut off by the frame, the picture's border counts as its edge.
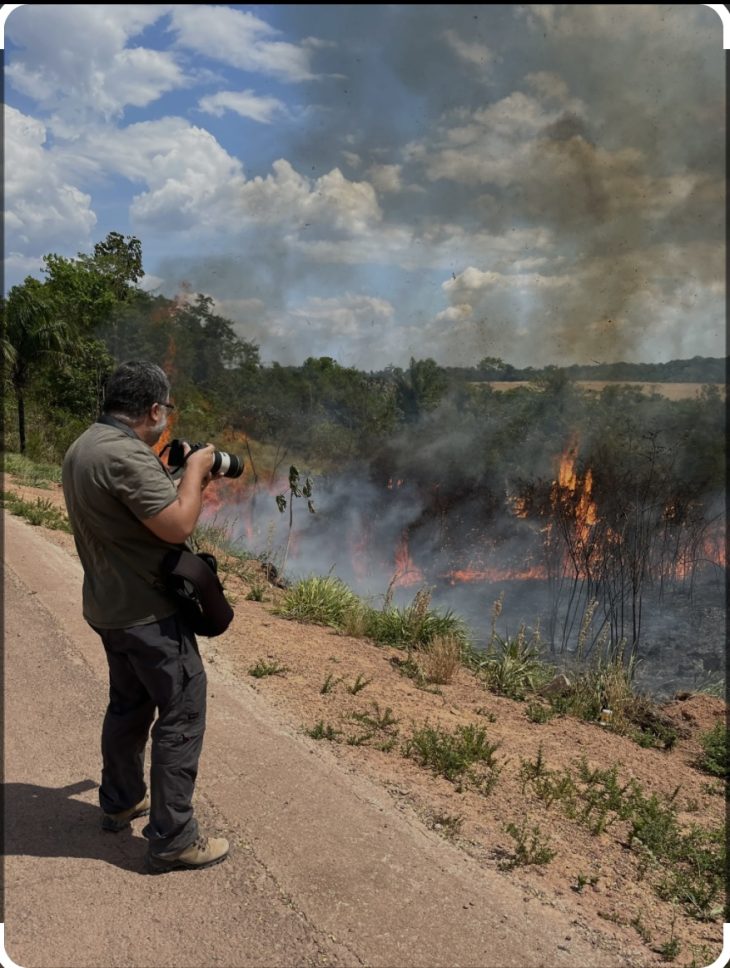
(672, 391)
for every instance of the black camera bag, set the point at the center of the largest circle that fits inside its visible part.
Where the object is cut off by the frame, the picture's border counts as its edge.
(194, 580)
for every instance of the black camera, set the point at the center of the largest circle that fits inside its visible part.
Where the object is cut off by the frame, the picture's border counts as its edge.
(224, 465)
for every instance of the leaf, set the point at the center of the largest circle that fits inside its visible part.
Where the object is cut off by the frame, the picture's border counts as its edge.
(281, 502)
(310, 505)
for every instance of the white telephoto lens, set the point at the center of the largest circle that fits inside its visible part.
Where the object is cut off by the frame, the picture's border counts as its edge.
(225, 464)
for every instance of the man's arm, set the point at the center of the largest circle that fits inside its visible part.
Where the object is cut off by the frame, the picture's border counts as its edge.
(177, 521)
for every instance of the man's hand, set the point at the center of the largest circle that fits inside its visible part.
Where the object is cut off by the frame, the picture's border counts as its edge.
(177, 522)
(199, 464)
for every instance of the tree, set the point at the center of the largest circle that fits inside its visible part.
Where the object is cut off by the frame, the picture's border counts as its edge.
(32, 331)
(420, 388)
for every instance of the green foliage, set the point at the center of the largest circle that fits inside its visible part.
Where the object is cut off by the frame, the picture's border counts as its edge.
(322, 601)
(715, 758)
(538, 713)
(516, 667)
(29, 472)
(40, 512)
(358, 685)
(451, 754)
(264, 668)
(529, 849)
(320, 731)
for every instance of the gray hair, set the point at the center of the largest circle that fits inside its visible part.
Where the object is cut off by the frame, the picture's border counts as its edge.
(133, 387)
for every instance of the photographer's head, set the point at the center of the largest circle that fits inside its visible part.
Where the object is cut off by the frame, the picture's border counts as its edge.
(138, 394)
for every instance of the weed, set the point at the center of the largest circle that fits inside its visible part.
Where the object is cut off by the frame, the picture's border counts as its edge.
(381, 720)
(320, 731)
(256, 594)
(451, 754)
(440, 659)
(669, 950)
(322, 601)
(581, 882)
(516, 668)
(329, 683)
(27, 472)
(715, 758)
(486, 713)
(537, 713)
(41, 512)
(641, 929)
(263, 668)
(358, 685)
(528, 851)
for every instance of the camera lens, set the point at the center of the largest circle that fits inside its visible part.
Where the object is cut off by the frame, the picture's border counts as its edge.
(226, 465)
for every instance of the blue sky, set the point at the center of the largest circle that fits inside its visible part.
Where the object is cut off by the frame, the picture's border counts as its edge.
(542, 183)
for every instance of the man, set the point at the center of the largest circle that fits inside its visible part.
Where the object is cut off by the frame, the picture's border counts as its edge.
(126, 514)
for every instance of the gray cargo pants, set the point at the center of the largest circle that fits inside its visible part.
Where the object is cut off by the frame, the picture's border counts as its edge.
(155, 666)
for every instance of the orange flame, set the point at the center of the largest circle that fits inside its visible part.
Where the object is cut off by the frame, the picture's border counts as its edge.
(406, 571)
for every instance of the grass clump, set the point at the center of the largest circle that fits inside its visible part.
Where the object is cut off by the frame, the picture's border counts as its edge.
(263, 669)
(29, 473)
(322, 601)
(441, 659)
(358, 685)
(715, 758)
(529, 848)
(41, 512)
(514, 667)
(320, 731)
(453, 755)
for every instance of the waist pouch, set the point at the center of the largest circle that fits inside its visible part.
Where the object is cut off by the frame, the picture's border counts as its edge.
(193, 579)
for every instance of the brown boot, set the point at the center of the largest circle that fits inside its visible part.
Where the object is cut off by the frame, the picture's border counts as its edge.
(118, 821)
(203, 852)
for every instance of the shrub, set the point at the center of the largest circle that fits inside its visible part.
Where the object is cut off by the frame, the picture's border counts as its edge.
(715, 758)
(516, 668)
(451, 754)
(323, 601)
(440, 659)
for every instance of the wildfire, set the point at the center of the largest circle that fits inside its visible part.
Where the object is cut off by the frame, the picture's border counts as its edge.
(574, 495)
(407, 573)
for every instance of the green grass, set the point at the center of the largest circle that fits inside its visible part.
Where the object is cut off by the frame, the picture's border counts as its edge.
(263, 668)
(322, 601)
(687, 865)
(320, 731)
(515, 667)
(41, 512)
(452, 755)
(30, 473)
(715, 758)
(529, 848)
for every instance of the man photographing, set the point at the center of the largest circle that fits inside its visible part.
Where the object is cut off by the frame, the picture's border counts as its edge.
(127, 514)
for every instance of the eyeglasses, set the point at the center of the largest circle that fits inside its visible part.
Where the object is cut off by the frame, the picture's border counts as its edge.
(170, 406)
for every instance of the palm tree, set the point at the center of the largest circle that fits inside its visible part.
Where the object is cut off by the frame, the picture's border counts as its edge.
(31, 331)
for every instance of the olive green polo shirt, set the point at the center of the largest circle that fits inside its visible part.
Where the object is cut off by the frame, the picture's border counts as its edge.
(112, 481)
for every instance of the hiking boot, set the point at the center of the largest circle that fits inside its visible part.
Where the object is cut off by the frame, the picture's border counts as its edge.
(118, 821)
(203, 852)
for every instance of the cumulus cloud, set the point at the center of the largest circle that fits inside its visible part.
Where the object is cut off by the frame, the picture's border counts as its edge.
(76, 61)
(241, 39)
(42, 208)
(246, 103)
(386, 178)
(468, 50)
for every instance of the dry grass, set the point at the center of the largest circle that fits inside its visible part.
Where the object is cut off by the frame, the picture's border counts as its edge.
(439, 661)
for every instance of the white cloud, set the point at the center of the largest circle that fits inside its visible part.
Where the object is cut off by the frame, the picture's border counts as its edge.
(348, 315)
(386, 178)
(245, 103)
(42, 208)
(240, 39)
(469, 51)
(74, 59)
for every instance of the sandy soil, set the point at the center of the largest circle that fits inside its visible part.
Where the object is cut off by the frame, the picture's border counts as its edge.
(596, 878)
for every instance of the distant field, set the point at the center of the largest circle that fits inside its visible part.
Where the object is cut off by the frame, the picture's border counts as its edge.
(672, 391)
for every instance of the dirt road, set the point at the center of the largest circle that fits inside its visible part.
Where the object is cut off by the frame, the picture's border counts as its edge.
(323, 869)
